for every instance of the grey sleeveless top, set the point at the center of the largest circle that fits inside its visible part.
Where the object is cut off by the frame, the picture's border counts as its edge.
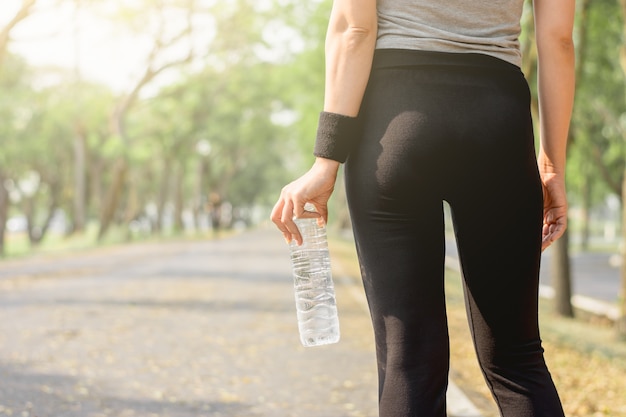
(491, 27)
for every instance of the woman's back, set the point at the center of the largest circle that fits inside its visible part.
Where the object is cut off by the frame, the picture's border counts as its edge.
(489, 27)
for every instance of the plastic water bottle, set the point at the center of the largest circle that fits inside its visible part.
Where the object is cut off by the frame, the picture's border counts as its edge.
(316, 306)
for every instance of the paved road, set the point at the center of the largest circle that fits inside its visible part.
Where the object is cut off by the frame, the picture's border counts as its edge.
(594, 275)
(203, 328)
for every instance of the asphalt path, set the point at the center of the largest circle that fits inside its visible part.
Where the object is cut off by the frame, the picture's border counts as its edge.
(594, 275)
(202, 328)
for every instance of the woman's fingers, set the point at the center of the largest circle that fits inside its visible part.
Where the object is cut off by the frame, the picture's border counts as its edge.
(555, 209)
(313, 187)
(277, 219)
(553, 229)
(287, 220)
(283, 213)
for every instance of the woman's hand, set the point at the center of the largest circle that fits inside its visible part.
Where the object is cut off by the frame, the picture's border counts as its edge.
(554, 209)
(314, 187)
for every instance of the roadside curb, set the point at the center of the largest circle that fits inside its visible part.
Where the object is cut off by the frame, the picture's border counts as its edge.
(586, 304)
(458, 403)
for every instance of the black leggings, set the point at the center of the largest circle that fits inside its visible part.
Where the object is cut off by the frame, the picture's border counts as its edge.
(453, 127)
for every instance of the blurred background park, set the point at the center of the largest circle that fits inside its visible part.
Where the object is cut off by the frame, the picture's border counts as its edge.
(143, 120)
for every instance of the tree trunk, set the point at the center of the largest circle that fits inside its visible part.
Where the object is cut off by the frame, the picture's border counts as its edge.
(621, 320)
(36, 238)
(110, 203)
(80, 183)
(96, 192)
(586, 212)
(133, 207)
(560, 274)
(28, 209)
(164, 191)
(179, 225)
(200, 193)
(5, 32)
(4, 212)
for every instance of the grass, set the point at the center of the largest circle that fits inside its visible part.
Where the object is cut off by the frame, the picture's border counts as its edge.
(587, 361)
(18, 245)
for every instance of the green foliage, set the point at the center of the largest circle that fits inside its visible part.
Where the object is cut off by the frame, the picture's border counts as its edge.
(598, 154)
(253, 95)
(232, 104)
(255, 102)
(306, 92)
(15, 99)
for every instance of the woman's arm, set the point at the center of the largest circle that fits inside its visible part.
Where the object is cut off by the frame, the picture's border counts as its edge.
(554, 21)
(350, 44)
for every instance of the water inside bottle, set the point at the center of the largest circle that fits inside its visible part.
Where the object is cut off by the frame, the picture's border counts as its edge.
(314, 291)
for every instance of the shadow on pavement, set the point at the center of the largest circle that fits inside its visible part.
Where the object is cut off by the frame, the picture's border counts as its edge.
(61, 395)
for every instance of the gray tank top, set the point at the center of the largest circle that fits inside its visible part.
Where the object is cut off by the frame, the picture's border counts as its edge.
(491, 27)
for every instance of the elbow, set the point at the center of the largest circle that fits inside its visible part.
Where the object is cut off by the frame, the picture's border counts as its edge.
(352, 36)
(361, 32)
(565, 44)
(561, 43)
(355, 37)
(558, 49)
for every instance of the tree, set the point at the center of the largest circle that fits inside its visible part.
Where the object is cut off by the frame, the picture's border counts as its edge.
(621, 321)
(22, 13)
(216, 127)
(231, 105)
(16, 93)
(4, 210)
(155, 65)
(5, 36)
(600, 126)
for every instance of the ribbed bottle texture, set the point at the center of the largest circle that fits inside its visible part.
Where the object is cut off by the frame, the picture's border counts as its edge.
(316, 307)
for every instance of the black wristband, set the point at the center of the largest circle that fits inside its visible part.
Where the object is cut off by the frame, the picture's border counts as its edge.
(336, 136)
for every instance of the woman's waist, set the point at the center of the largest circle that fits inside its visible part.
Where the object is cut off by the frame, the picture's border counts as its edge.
(394, 58)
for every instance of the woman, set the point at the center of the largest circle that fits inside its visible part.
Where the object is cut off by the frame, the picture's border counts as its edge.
(444, 114)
